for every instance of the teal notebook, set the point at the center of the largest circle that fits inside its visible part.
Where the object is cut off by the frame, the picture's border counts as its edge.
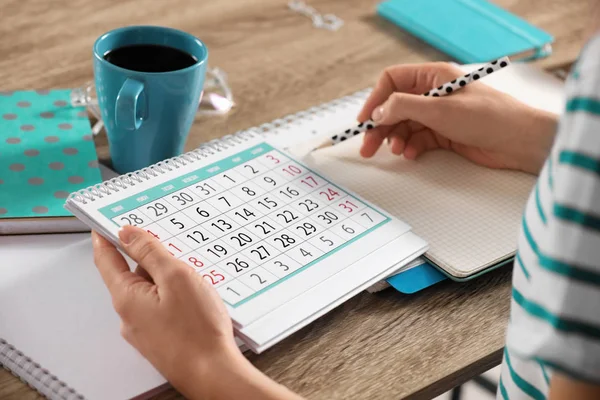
(46, 152)
(469, 31)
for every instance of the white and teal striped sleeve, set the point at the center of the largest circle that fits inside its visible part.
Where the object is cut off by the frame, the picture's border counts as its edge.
(559, 302)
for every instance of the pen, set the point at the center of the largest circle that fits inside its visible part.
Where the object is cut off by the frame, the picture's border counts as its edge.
(443, 90)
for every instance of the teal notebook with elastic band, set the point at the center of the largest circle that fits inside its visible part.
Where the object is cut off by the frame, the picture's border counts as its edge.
(469, 31)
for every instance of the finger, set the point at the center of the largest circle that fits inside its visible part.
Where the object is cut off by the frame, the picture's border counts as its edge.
(110, 263)
(399, 78)
(403, 135)
(143, 273)
(382, 90)
(414, 126)
(407, 78)
(372, 140)
(397, 145)
(427, 111)
(147, 251)
(398, 137)
(419, 143)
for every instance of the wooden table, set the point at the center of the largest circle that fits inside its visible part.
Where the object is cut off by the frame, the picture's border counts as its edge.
(385, 345)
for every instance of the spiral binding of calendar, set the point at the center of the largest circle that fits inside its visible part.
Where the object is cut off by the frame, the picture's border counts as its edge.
(216, 145)
(34, 375)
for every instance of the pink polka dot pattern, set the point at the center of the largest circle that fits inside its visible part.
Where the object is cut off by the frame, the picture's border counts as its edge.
(35, 181)
(17, 167)
(46, 147)
(75, 179)
(70, 151)
(61, 194)
(56, 165)
(31, 152)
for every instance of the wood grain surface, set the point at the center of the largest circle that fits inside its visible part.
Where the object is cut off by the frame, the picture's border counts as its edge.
(379, 346)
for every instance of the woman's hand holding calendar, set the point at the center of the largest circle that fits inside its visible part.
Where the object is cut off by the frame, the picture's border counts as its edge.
(178, 321)
(478, 122)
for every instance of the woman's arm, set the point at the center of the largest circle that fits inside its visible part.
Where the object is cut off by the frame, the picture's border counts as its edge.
(565, 388)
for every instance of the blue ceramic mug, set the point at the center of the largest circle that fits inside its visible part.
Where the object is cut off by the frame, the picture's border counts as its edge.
(147, 115)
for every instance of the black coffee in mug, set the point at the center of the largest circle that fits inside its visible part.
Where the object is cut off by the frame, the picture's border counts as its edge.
(150, 58)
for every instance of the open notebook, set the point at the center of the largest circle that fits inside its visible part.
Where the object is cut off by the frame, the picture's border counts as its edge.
(58, 330)
(531, 86)
(469, 215)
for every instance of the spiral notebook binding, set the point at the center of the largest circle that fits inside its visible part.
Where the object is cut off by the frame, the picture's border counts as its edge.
(207, 149)
(32, 374)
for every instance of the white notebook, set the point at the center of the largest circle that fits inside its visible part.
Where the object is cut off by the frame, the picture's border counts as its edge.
(80, 352)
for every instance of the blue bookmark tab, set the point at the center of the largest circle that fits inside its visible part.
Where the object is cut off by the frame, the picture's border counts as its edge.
(416, 278)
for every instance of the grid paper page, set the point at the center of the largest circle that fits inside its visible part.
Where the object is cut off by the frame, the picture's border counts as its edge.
(469, 215)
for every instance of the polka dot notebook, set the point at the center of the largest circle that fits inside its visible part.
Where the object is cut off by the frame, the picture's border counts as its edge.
(46, 152)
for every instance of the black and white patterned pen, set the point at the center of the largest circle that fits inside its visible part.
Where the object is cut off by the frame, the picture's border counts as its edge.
(443, 90)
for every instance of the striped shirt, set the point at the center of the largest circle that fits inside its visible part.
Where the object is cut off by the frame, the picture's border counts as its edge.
(555, 308)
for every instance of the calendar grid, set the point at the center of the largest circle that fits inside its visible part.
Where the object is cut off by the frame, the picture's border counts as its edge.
(215, 217)
(258, 220)
(192, 204)
(309, 264)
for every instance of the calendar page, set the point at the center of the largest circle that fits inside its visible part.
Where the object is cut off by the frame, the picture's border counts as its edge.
(261, 227)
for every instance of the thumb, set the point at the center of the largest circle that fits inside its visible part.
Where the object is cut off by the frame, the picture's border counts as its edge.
(399, 107)
(146, 251)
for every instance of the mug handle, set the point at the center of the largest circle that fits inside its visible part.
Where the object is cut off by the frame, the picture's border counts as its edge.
(126, 110)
